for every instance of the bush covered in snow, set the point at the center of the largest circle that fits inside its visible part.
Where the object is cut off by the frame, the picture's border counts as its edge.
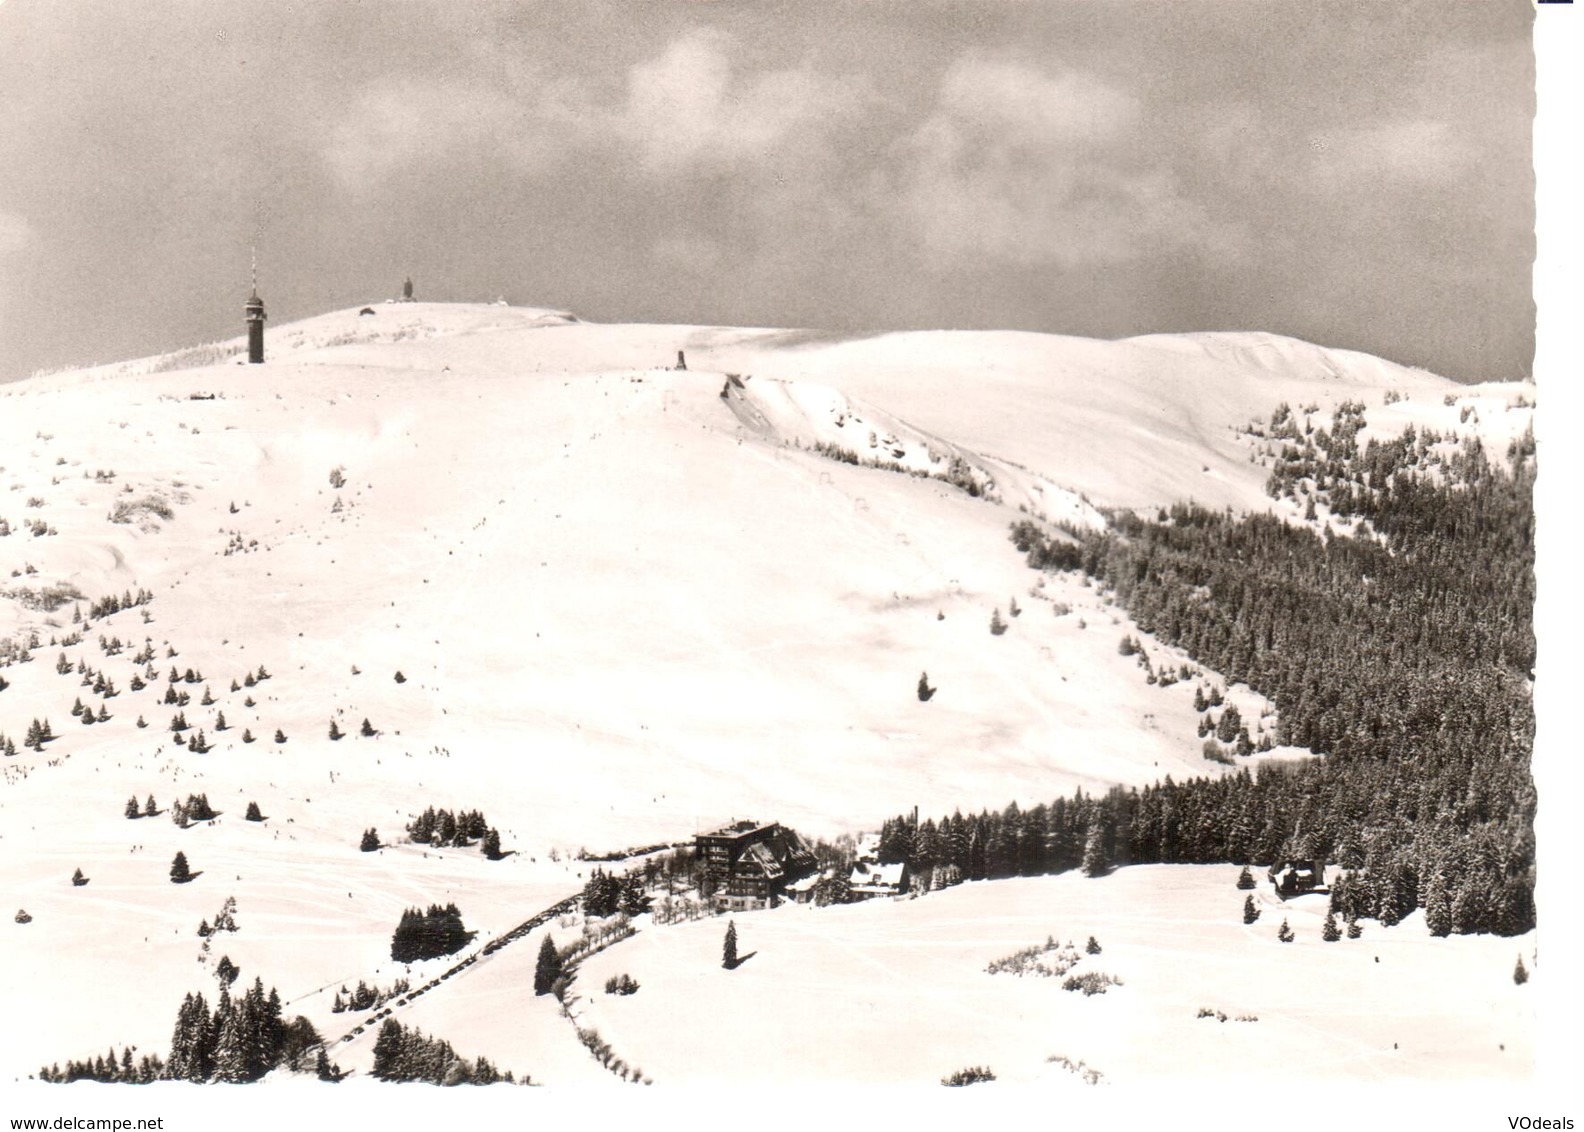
(1091, 982)
(1050, 960)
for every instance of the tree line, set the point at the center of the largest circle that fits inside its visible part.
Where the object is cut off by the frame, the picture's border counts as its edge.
(402, 1054)
(241, 1040)
(1404, 655)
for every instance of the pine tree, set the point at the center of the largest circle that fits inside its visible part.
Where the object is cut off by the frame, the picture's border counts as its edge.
(367, 730)
(601, 894)
(191, 1049)
(548, 967)
(226, 971)
(78, 880)
(1520, 972)
(280, 736)
(729, 946)
(1251, 911)
(231, 1043)
(335, 732)
(1354, 930)
(272, 1032)
(132, 810)
(1228, 725)
(491, 845)
(400, 679)
(325, 1069)
(1245, 879)
(149, 808)
(253, 812)
(997, 626)
(924, 689)
(1095, 863)
(220, 723)
(634, 900)
(1438, 907)
(1284, 933)
(370, 840)
(1329, 931)
(388, 1049)
(180, 871)
(247, 735)
(1093, 946)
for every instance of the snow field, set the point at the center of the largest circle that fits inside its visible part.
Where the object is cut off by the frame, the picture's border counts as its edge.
(622, 614)
(897, 991)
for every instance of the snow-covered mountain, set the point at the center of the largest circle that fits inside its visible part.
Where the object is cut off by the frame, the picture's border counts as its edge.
(625, 601)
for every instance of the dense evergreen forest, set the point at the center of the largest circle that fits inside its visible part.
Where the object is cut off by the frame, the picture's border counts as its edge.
(425, 935)
(108, 1070)
(242, 1040)
(1402, 651)
(402, 1054)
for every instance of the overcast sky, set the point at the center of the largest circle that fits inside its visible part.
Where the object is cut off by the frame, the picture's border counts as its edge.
(1357, 174)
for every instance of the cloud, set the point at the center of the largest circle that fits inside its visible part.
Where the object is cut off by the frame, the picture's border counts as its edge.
(690, 254)
(1021, 165)
(1026, 106)
(15, 234)
(395, 127)
(1402, 151)
(686, 111)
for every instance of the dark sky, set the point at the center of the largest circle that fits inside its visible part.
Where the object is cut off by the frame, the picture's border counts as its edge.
(1355, 173)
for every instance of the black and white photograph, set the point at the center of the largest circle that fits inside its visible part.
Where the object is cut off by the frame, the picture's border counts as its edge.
(744, 551)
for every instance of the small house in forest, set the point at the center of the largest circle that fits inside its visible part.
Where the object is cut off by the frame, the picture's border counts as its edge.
(871, 879)
(802, 891)
(1294, 877)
